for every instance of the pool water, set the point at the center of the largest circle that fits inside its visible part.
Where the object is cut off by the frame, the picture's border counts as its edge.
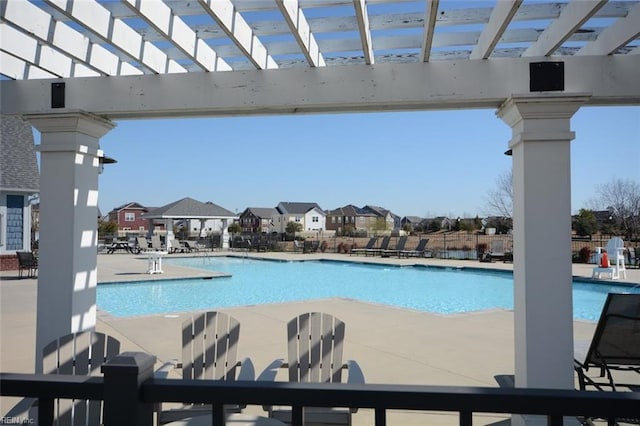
(255, 282)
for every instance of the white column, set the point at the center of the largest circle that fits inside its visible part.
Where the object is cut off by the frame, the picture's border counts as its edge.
(543, 304)
(224, 238)
(67, 278)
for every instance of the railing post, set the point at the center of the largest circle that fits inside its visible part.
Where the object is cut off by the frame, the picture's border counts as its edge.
(123, 376)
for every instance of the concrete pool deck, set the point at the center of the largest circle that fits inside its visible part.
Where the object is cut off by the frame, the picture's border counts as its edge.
(392, 345)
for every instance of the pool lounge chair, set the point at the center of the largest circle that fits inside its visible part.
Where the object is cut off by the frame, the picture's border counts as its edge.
(141, 245)
(419, 251)
(384, 245)
(614, 352)
(209, 351)
(396, 251)
(315, 356)
(496, 252)
(370, 245)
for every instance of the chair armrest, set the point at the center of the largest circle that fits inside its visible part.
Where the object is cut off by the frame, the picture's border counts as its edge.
(355, 372)
(163, 371)
(247, 370)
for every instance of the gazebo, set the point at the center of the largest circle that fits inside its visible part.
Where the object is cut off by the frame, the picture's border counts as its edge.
(190, 209)
(76, 67)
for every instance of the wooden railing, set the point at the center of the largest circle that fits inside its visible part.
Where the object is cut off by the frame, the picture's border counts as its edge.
(130, 393)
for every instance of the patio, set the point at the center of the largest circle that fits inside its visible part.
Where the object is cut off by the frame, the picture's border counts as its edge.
(393, 346)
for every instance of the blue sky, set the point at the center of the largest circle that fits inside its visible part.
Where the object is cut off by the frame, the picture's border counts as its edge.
(414, 163)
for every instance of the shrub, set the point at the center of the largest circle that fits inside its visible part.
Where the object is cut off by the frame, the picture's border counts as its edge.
(584, 255)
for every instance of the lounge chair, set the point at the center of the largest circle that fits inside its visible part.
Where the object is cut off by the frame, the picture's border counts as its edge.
(496, 252)
(396, 251)
(156, 244)
(209, 351)
(384, 245)
(614, 352)
(27, 261)
(176, 246)
(419, 251)
(78, 354)
(370, 245)
(315, 356)
(141, 245)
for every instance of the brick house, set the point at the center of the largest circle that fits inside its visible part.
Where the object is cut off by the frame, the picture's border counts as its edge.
(129, 218)
(256, 220)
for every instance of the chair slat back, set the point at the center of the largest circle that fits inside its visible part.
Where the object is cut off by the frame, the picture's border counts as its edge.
(384, 245)
(422, 244)
(79, 354)
(616, 340)
(315, 348)
(402, 242)
(497, 247)
(210, 347)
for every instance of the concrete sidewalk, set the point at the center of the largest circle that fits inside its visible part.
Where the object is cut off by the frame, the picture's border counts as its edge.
(392, 345)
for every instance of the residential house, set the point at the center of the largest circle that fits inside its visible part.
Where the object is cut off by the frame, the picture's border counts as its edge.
(351, 219)
(413, 223)
(129, 218)
(256, 220)
(310, 215)
(19, 182)
(392, 220)
(440, 223)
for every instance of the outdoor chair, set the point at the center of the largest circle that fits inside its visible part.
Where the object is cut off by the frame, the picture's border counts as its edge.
(209, 351)
(614, 352)
(315, 345)
(370, 245)
(419, 251)
(27, 261)
(396, 251)
(78, 354)
(496, 252)
(384, 245)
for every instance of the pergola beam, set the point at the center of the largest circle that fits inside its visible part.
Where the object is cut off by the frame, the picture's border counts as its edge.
(617, 35)
(431, 14)
(299, 27)
(237, 29)
(365, 33)
(570, 20)
(498, 22)
(116, 32)
(178, 33)
(407, 86)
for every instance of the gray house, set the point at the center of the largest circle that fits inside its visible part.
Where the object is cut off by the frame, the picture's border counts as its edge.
(19, 182)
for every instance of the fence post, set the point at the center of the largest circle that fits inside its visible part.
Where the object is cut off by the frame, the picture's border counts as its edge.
(123, 376)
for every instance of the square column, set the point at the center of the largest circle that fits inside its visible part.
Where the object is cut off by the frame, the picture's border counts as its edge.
(543, 302)
(69, 164)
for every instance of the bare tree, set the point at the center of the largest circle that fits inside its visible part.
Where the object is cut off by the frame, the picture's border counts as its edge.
(622, 199)
(500, 199)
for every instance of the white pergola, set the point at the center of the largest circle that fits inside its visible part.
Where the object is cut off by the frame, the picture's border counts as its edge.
(75, 66)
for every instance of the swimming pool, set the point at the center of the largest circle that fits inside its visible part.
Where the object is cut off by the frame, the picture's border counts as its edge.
(253, 282)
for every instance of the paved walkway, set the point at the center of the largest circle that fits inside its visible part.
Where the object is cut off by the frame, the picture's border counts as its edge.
(392, 345)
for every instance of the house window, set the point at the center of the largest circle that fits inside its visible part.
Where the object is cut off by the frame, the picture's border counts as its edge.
(126, 228)
(129, 217)
(333, 220)
(315, 219)
(15, 222)
(298, 219)
(141, 228)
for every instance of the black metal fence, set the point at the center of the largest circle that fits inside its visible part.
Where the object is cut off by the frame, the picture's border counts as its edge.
(130, 394)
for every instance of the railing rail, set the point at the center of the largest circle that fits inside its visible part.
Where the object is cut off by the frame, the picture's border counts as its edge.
(130, 393)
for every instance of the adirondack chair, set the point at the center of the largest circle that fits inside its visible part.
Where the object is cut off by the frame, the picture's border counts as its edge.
(209, 351)
(78, 354)
(315, 356)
